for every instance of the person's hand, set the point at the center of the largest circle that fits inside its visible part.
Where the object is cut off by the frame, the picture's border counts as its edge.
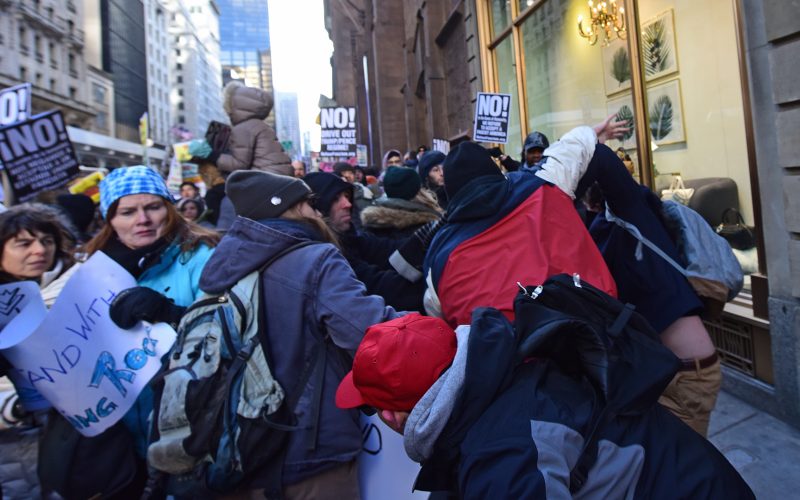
(611, 129)
(143, 304)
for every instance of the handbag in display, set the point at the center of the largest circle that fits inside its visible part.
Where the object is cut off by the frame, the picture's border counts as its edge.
(734, 230)
(677, 192)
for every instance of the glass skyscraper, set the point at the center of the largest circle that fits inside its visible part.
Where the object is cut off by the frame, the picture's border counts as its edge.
(244, 42)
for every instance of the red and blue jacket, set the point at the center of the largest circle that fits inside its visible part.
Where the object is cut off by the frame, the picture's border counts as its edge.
(501, 231)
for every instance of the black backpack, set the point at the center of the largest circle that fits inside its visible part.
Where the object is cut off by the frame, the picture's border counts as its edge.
(588, 332)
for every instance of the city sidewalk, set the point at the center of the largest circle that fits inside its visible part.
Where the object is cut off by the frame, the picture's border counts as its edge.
(763, 449)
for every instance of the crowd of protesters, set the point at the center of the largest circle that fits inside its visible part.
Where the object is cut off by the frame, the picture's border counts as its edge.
(405, 276)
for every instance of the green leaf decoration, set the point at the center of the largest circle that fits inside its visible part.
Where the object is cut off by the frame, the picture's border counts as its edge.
(625, 115)
(656, 49)
(661, 118)
(621, 66)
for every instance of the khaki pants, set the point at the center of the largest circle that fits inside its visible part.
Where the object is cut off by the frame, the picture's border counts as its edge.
(692, 394)
(338, 483)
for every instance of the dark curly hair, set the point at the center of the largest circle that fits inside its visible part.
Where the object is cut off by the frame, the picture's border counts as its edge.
(36, 217)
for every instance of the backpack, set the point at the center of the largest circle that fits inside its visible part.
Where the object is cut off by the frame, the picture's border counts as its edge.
(708, 261)
(589, 333)
(221, 419)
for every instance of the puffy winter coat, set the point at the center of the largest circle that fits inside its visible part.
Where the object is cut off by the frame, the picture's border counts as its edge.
(253, 143)
(310, 293)
(487, 430)
(503, 230)
(399, 218)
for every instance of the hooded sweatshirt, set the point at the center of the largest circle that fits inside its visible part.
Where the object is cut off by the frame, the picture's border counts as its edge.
(253, 144)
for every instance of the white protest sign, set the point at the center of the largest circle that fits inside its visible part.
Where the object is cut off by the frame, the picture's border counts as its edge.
(491, 118)
(21, 312)
(338, 134)
(15, 104)
(37, 154)
(88, 368)
(384, 470)
(441, 145)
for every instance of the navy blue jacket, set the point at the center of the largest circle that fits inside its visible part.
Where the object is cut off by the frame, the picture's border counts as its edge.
(310, 293)
(659, 292)
(517, 433)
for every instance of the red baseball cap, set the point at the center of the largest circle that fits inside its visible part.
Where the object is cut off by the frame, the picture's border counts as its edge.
(397, 362)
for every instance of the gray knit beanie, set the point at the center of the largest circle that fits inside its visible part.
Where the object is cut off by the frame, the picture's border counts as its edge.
(263, 195)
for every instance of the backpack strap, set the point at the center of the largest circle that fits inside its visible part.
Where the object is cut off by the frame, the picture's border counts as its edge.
(634, 231)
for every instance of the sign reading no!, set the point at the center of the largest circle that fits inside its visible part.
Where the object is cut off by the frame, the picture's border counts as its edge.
(491, 118)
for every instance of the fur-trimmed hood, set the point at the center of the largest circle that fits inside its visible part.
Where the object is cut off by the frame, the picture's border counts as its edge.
(243, 103)
(388, 213)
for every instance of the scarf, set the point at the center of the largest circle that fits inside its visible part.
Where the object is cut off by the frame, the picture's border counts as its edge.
(135, 261)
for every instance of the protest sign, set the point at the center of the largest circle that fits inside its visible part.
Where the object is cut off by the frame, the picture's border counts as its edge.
(384, 469)
(491, 118)
(338, 137)
(362, 159)
(21, 311)
(15, 104)
(441, 145)
(89, 369)
(37, 155)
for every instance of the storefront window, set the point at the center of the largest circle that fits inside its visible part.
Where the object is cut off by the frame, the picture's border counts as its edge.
(692, 93)
(501, 16)
(695, 111)
(563, 74)
(507, 80)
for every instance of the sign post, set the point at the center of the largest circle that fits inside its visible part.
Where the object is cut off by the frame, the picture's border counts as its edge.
(491, 118)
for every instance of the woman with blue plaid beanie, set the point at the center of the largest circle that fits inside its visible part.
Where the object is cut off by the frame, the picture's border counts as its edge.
(146, 235)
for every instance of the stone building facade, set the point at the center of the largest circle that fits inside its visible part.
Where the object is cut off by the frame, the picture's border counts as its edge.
(411, 69)
(42, 42)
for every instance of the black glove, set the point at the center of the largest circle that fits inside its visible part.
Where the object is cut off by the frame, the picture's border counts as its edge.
(143, 304)
(407, 260)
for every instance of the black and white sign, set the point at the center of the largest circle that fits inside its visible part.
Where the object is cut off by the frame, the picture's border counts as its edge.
(37, 155)
(338, 132)
(15, 104)
(491, 118)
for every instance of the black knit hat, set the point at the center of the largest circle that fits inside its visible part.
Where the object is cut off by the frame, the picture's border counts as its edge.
(465, 162)
(401, 182)
(429, 160)
(264, 195)
(79, 208)
(326, 187)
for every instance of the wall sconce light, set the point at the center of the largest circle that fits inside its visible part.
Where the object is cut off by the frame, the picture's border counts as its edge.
(606, 19)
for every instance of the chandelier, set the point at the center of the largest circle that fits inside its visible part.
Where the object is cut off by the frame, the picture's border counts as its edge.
(607, 19)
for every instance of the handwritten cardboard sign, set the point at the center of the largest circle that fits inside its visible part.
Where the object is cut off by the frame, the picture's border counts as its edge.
(384, 469)
(338, 134)
(37, 154)
(15, 104)
(491, 117)
(89, 369)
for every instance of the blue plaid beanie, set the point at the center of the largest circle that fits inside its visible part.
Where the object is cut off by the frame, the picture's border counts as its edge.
(125, 181)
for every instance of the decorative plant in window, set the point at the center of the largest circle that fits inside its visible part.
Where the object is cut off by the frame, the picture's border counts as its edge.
(661, 118)
(656, 49)
(621, 66)
(625, 114)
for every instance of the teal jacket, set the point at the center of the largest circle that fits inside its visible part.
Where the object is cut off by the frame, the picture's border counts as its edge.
(176, 275)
